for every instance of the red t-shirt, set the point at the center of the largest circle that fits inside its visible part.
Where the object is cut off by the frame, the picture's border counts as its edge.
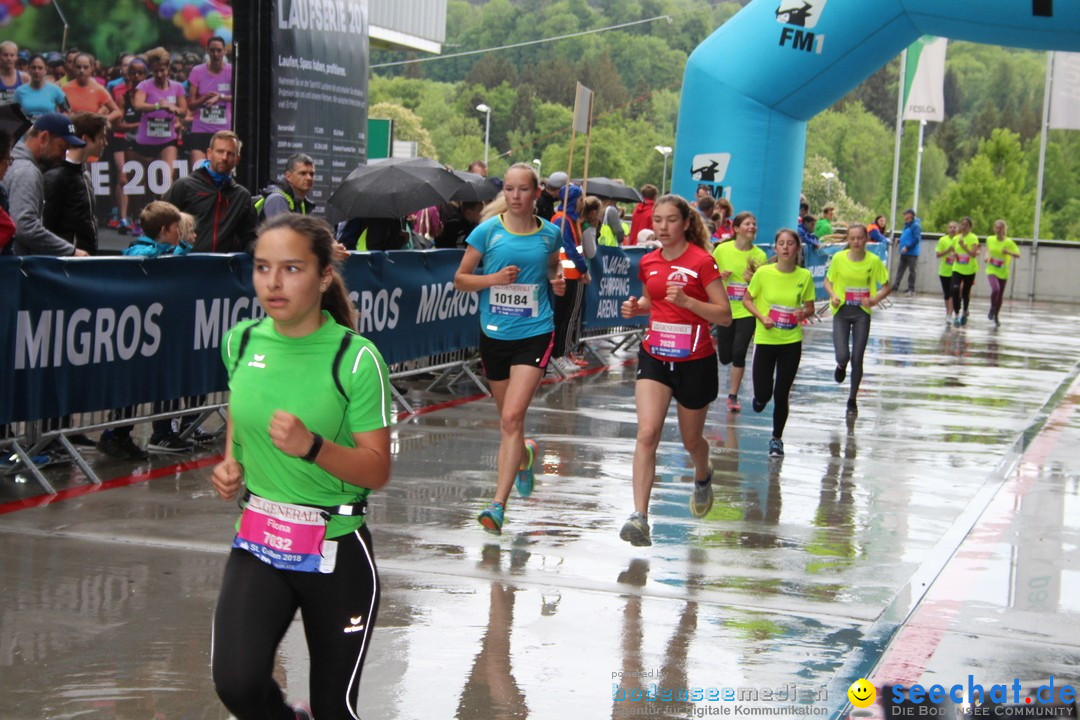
(675, 333)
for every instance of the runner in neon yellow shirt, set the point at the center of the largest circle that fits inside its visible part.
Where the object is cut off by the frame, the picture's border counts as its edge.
(1000, 250)
(310, 437)
(946, 255)
(737, 259)
(856, 282)
(780, 297)
(964, 268)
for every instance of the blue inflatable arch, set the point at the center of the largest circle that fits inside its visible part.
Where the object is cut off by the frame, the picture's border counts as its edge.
(751, 87)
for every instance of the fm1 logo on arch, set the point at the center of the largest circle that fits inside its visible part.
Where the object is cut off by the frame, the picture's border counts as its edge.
(798, 17)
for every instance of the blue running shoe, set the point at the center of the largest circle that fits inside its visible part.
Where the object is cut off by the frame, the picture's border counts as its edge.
(776, 448)
(526, 477)
(492, 518)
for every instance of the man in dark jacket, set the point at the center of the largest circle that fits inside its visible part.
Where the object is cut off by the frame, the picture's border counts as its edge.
(289, 192)
(224, 217)
(69, 197)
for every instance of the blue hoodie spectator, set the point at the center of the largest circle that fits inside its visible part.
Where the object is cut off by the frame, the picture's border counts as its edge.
(911, 237)
(570, 196)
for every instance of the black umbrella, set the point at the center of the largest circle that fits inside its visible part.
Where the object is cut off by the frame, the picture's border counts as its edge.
(477, 188)
(608, 189)
(394, 187)
(13, 120)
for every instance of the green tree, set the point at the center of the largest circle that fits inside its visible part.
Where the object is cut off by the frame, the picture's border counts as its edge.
(856, 142)
(819, 191)
(990, 186)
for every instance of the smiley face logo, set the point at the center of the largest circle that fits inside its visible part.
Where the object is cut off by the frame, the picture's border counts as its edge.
(861, 693)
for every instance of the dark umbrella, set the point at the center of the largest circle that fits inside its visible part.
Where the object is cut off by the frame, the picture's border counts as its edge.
(608, 189)
(394, 187)
(13, 120)
(477, 188)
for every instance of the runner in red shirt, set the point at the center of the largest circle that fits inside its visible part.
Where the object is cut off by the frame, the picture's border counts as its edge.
(683, 294)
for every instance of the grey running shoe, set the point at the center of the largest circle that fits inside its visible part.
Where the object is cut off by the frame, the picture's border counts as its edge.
(701, 498)
(636, 530)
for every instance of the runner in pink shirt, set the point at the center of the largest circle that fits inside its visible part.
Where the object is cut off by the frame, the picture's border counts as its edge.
(210, 98)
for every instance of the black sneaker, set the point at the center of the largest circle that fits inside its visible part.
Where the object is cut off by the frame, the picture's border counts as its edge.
(120, 446)
(200, 436)
(839, 374)
(169, 444)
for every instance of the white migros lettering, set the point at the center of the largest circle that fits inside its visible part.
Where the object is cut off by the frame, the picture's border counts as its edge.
(378, 310)
(321, 15)
(86, 336)
(442, 301)
(212, 320)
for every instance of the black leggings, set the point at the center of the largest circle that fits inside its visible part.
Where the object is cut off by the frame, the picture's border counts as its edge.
(962, 285)
(733, 341)
(850, 331)
(781, 362)
(256, 606)
(950, 290)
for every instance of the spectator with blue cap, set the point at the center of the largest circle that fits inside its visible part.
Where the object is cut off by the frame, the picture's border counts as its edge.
(45, 144)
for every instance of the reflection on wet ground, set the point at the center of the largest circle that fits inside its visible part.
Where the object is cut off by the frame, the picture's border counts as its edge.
(932, 537)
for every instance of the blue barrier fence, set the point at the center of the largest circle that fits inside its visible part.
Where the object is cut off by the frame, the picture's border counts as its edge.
(82, 335)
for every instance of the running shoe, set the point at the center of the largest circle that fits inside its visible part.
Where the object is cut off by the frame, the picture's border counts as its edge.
(526, 477)
(776, 448)
(702, 498)
(963, 320)
(114, 219)
(990, 315)
(636, 530)
(170, 443)
(956, 321)
(13, 461)
(852, 408)
(577, 360)
(124, 228)
(492, 518)
(997, 323)
(839, 374)
(733, 403)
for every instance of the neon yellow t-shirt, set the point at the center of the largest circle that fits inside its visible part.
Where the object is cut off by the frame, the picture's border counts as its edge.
(779, 295)
(295, 375)
(946, 262)
(967, 248)
(997, 262)
(731, 259)
(853, 280)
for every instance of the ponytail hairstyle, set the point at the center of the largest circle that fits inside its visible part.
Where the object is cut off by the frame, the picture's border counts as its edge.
(696, 233)
(336, 297)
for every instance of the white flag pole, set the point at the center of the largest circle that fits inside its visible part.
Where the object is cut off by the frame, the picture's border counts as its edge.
(1042, 167)
(896, 154)
(918, 166)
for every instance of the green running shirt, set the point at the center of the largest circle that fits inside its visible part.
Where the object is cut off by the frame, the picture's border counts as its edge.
(296, 375)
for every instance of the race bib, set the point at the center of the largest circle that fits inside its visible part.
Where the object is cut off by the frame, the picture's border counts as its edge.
(856, 295)
(997, 262)
(949, 259)
(286, 536)
(670, 340)
(783, 317)
(159, 127)
(963, 259)
(214, 115)
(736, 291)
(515, 300)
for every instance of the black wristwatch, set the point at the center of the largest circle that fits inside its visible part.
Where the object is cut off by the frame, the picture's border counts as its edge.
(316, 446)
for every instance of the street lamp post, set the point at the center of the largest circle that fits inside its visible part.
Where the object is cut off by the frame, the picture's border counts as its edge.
(487, 127)
(828, 187)
(537, 163)
(664, 150)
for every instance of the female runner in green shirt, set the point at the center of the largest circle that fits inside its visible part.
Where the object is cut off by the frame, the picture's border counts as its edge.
(856, 282)
(309, 435)
(1000, 251)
